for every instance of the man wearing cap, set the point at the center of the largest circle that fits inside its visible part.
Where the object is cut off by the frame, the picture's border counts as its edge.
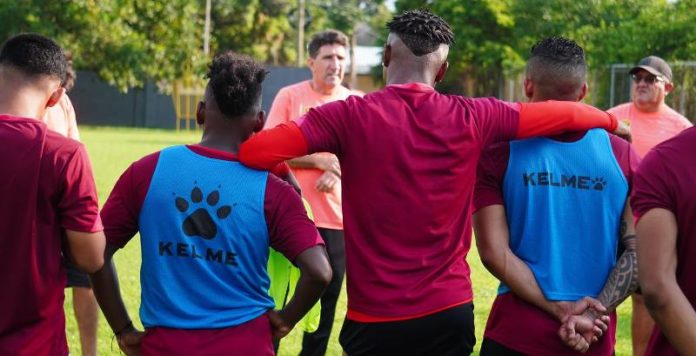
(652, 122)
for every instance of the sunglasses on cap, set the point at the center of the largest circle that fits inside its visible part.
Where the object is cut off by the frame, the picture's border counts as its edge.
(648, 78)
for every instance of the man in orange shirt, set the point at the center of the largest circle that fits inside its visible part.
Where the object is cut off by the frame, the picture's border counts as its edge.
(652, 122)
(319, 174)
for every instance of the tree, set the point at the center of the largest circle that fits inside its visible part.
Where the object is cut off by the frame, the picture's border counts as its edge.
(493, 37)
(125, 41)
(484, 45)
(347, 15)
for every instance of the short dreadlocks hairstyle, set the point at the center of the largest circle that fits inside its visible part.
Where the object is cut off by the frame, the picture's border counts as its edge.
(34, 54)
(421, 31)
(558, 64)
(235, 81)
(324, 38)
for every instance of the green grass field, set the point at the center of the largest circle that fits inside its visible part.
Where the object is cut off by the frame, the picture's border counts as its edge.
(113, 149)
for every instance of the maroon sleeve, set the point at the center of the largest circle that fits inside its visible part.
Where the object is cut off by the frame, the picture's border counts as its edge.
(651, 186)
(79, 204)
(289, 228)
(324, 127)
(489, 176)
(626, 156)
(122, 209)
(496, 120)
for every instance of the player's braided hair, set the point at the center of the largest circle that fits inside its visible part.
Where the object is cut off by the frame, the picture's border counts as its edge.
(235, 81)
(421, 31)
(559, 50)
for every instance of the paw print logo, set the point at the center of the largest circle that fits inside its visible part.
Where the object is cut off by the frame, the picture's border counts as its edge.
(200, 222)
(598, 183)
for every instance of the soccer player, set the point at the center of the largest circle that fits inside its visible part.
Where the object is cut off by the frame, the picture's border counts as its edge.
(652, 122)
(408, 157)
(60, 118)
(48, 199)
(319, 174)
(206, 223)
(547, 223)
(664, 202)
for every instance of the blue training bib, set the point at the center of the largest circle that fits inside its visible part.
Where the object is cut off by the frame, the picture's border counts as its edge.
(564, 202)
(204, 243)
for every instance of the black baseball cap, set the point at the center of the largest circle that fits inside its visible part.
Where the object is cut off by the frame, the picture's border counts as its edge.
(654, 65)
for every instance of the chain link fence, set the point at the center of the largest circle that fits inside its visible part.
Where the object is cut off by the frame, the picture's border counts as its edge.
(611, 86)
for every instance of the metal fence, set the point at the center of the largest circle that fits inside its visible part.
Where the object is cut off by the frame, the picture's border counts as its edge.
(682, 98)
(610, 86)
(185, 97)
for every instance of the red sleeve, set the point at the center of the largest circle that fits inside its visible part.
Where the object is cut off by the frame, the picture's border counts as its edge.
(324, 127)
(122, 209)
(281, 170)
(79, 204)
(290, 230)
(651, 186)
(268, 148)
(626, 156)
(554, 117)
(489, 176)
(496, 120)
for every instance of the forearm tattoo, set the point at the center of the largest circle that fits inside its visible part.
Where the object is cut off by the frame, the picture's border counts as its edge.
(623, 279)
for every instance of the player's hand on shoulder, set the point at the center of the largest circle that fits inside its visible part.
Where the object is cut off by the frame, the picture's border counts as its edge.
(623, 130)
(329, 163)
(326, 182)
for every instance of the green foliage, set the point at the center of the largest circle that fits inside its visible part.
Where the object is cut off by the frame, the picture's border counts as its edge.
(125, 41)
(493, 37)
(129, 41)
(259, 28)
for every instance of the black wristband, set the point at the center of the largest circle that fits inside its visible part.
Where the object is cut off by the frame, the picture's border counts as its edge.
(128, 326)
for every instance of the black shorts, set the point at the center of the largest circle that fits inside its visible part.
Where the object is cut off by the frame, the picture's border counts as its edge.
(492, 348)
(76, 277)
(449, 332)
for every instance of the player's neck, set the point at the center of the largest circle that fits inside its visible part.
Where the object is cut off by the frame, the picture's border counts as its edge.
(21, 103)
(405, 76)
(225, 143)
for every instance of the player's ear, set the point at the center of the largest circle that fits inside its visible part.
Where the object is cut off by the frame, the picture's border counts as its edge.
(528, 87)
(441, 72)
(200, 113)
(386, 56)
(583, 92)
(260, 121)
(55, 97)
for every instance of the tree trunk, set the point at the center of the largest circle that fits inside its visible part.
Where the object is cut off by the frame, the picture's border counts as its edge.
(300, 32)
(353, 59)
